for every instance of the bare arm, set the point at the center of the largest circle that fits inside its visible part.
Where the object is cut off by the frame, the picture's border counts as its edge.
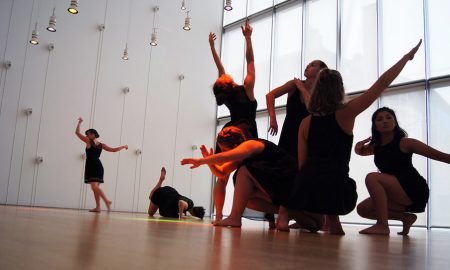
(363, 148)
(249, 82)
(182, 205)
(152, 208)
(115, 149)
(78, 133)
(289, 88)
(218, 171)
(414, 146)
(220, 68)
(359, 104)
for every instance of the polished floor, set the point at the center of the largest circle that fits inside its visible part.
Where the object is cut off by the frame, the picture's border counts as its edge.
(42, 238)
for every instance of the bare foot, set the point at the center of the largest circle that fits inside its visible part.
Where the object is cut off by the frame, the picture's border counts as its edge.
(283, 220)
(336, 228)
(295, 226)
(230, 222)
(377, 229)
(217, 220)
(408, 221)
(108, 205)
(95, 210)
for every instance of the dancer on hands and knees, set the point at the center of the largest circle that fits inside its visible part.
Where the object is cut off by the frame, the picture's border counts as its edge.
(398, 190)
(240, 101)
(265, 177)
(323, 185)
(93, 173)
(170, 203)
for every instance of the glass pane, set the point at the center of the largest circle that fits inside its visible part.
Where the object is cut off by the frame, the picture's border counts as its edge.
(287, 48)
(279, 1)
(257, 5)
(232, 58)
(238, 12)
(261, 40)
(320, 33)
(439, 172)
(401, 27)
(439, 38)
(359, 44)
(409, 106)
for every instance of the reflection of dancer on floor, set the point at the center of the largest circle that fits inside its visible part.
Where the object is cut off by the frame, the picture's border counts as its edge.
(170, 202)
(398, 190)
(93, 173)
(265, 177)
(323, 185)
(240, 101)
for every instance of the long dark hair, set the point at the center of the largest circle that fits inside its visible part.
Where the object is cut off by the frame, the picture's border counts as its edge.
(376, 136)
(328, 93)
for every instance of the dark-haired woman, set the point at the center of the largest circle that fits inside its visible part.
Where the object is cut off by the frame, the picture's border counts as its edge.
(93, 173)
(323, 185)
(398, 190)
(240, 101)
(264, 179)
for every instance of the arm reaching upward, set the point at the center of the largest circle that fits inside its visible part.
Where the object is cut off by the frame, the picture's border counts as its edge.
(220, 68)
(78, 133)
(249, 82)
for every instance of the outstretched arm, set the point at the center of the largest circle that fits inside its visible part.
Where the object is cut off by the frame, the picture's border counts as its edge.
(115, 149)
(418, 147)
(152, 208)
(359, 104)
(249, 82)
(220, 68)
(363, 148)
(289, 88)
(78, 133)
(215, 169)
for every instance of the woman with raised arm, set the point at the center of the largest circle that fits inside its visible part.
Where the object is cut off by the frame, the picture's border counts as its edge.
(265, 177)
(323, 185)
(240, 101)
(298, 96)
(398, 190)
(170, 203)
(93, 173)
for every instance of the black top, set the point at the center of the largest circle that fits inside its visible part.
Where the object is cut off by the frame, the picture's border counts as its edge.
(240, 105)
(295, 112)
(390, 159)
(166, 198)
(94, 169)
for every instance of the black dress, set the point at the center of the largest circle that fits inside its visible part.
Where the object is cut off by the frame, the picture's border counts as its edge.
(323, 185)
(295, 112)
(391, 160)
(242, 112)
(94, 169)
(275, 171)
(166, 198)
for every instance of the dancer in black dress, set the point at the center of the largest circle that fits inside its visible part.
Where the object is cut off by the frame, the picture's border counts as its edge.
(93, 173)
(398, 190)
(170, 203)
(241, 102)
(323, 185)
(265, 177)
(298, 96)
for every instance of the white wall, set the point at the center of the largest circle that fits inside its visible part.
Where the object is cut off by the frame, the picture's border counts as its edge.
(84, 76)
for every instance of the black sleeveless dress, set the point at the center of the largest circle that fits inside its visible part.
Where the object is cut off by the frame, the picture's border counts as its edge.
(275, 171)
(391, 160)
(166, 198)
(295, 112)
(93, 169)
(242, 112)
(323, 185)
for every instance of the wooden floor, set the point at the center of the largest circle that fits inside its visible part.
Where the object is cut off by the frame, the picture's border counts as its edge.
(41, 238)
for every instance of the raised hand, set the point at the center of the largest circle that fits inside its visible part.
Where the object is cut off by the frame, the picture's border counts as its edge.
(205, 152)
(163, 173)
(195, 162)
(212, 38)
(80, 120)
(410, 54)
(247, 29)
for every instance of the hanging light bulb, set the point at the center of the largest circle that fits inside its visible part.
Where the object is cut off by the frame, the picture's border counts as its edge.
(228, 6)
(187, 22)
(183, 5)
(154, 38)
(52, 22)
(125, 53)
(34, 36)
(73, 9)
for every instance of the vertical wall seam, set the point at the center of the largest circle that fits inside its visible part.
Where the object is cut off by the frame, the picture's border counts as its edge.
(5, 72)
(120, 143)
(176, 132)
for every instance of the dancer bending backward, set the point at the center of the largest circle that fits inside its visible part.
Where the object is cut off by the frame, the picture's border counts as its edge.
(241, 102)
(398, 190)
(298, 96)
(264, 179)
(325, 141)
(93, 173)
(170, 202)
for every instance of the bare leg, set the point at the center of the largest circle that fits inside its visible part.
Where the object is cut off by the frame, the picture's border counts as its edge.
(103, 196)
(219, 197)
(263, 206)
(383, 188)
(306, 220)
(335, 225)
(283, 219)
(94, 187)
